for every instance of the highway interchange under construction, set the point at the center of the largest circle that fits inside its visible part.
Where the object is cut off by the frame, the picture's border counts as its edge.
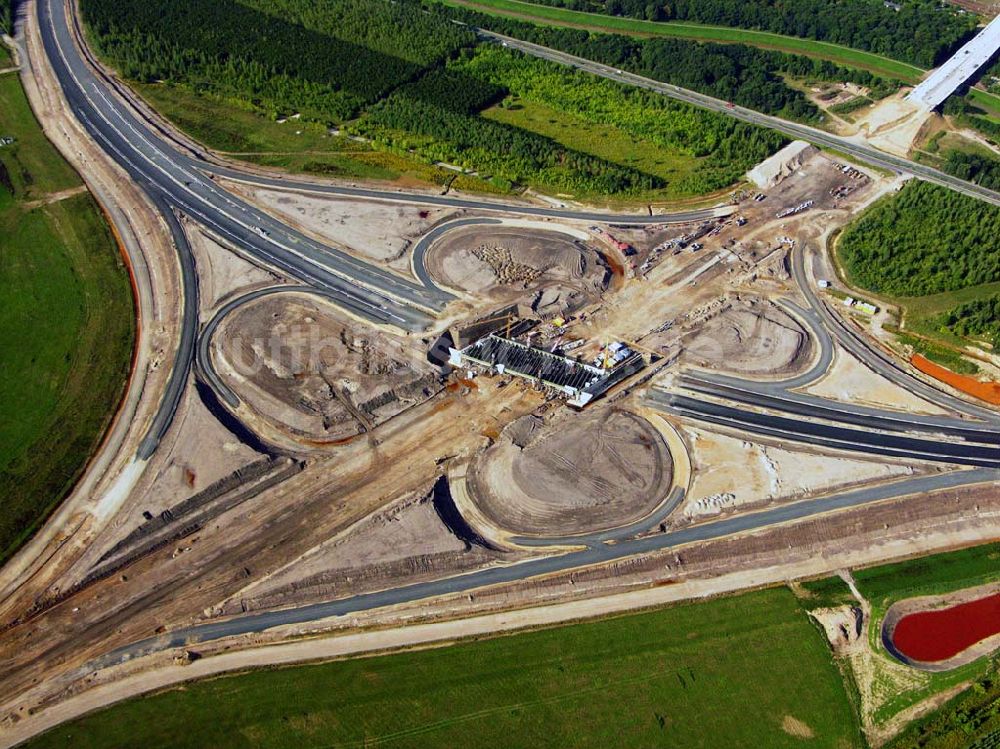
(299, 400)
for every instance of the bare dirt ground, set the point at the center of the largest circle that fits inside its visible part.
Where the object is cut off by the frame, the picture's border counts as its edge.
(188, 582)
(986, 8)
(750, 336)
(382, 232)
(197, 452)
(850, 381)
(362, 514)
(221, 272)
(408, 527)
(576, 474)
(552, 272)
(894, 124)
(407, 539)
(734, 474)
(302, 364)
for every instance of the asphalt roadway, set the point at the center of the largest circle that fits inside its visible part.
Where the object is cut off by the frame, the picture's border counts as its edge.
(811, 406)
(858, 149)
(179, 183)
(826, 435)
(876, 360)
(445, 201)
(596, 554)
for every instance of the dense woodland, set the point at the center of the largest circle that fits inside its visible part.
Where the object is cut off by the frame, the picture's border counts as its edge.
(415, 83)
(974, 167)
(427, 117)
(7, 14)
(979, 318)
(925, 240)
(267, 58)
(920, 32)
(735, 72)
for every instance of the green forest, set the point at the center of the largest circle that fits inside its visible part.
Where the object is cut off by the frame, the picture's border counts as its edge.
(7, 14)
(269, 60)
(978, 318)
(925, 240)
(424, 116)
(746, 75)
(415, 84)
(920, 32)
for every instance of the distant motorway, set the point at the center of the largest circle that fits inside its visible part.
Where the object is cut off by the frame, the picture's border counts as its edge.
(855, 148)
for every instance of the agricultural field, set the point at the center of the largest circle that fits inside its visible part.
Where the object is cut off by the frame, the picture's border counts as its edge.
(752, 666)
(66, 318)
(929, 575)
(837, 54)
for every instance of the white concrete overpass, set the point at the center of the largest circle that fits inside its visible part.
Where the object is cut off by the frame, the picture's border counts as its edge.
(960, 67)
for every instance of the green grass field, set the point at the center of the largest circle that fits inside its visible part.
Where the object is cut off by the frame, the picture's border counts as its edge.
(742, 671)
(835, 53)
(989, 102)
(923, 576)
(66, 324)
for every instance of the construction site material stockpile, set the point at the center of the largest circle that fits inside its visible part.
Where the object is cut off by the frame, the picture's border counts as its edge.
(550, 272)
(749, 336)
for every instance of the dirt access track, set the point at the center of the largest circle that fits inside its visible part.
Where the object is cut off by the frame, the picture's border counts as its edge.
(576, 474)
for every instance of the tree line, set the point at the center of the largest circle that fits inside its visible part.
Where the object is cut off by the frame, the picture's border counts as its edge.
(924, 240)
(264, 56)
(746, 75)
(920, 32)
(414, 118)
(415, 83)
(978, 317)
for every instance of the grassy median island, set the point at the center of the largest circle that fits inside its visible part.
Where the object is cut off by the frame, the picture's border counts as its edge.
(741, 671)
(66, 323)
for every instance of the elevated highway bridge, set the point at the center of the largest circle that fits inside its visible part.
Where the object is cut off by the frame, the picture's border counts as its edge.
(960, 67)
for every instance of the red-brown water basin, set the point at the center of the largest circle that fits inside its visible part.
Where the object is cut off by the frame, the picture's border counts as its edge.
(941, 634)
